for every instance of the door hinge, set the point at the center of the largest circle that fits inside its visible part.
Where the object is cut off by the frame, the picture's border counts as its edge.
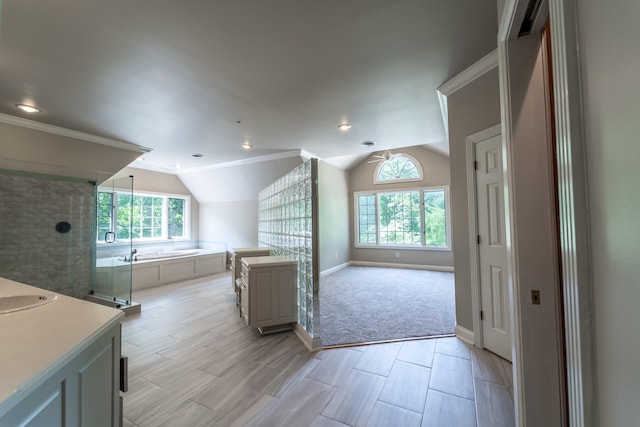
(481, 315)
(478, 239)
(475, 165)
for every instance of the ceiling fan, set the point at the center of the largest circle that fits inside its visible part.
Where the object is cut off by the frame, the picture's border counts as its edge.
(387, 155)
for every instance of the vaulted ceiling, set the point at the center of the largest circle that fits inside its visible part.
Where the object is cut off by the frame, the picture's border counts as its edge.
(202, 77)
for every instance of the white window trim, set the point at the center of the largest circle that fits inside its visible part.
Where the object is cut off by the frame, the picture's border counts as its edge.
(394, 181)
(165, 208)
(422, 247)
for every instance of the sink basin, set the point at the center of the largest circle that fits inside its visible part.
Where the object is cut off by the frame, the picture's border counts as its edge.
(24, 302)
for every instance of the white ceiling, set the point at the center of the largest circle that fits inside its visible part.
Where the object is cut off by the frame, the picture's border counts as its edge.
(184, 77)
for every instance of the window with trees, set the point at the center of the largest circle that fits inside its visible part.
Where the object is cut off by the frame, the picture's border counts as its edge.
(416, 218)
(152, 216)
(401, 167)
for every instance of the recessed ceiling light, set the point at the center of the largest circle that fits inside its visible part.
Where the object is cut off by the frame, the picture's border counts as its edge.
(28, 108)
(178, 165)
(197, 155)
(246, 145)
(344, 126)
(368, 143)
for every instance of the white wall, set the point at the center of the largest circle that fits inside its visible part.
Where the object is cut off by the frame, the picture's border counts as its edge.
(26, 149)
(609, 39)
(473, 108)
(228, 198)
(333, 205)
(235, 223)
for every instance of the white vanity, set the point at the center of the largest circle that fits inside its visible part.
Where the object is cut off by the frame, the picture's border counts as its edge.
(268, 290)
(59, 360)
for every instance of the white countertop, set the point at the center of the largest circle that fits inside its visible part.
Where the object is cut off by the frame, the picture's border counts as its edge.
(37, 341)
(240, 251)
(268, 261)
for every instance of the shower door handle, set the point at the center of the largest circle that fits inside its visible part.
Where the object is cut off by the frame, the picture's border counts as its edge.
(109, 237)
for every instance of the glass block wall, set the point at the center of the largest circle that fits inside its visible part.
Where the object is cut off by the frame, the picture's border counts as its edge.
(287, 225)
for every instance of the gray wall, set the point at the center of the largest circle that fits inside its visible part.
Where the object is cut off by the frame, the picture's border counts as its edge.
(333, 195)
(235, 223)
(473, 108)
(436, 172)
(31, 250)
(610, 60)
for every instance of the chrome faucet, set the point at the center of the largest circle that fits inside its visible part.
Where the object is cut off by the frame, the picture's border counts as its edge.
(130, 257)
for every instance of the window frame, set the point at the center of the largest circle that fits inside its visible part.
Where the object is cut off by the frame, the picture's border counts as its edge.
(409, 157)
(421, 190)
(165, 218)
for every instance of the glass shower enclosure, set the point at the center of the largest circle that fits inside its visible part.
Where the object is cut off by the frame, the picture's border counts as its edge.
(114, 247)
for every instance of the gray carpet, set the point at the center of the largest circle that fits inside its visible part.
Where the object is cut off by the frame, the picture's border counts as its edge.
(367, 304)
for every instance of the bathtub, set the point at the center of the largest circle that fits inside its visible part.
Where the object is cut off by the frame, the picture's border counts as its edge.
(150, 269)
(149, 256)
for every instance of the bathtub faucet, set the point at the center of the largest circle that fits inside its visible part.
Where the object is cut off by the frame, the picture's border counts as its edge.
(130, 258)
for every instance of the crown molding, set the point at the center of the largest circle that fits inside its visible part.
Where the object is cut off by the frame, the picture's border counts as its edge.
(70, 133)
(478, 69)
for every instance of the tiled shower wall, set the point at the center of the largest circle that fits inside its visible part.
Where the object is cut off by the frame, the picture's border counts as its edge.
(31, 250)
(287, 225)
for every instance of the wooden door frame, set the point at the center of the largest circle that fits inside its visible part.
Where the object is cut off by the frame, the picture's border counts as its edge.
(572, 207)
(472, 209)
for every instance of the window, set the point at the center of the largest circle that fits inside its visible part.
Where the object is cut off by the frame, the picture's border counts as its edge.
(401, 167)
(152, 216)
(416, 218)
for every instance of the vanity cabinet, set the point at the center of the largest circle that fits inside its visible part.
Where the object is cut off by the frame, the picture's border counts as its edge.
(60, 363)
(268, 292)
(236, 264)
(82, 392)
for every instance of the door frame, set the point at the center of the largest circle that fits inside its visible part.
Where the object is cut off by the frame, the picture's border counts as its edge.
(472, 210)
(572, 205)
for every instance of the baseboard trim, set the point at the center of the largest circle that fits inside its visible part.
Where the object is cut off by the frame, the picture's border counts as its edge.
(334, 269)
(312, 344)
(445, 268)
(464, 334)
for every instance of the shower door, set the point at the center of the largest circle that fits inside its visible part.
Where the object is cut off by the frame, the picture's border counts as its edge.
(114, 247)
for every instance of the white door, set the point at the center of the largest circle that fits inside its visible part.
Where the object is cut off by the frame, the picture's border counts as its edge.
(492, 251)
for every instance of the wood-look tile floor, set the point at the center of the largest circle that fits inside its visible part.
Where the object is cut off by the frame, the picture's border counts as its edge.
(193, 362)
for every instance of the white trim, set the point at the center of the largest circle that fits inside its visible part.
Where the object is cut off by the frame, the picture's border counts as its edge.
(312, 344)
(445, 268)
(332, 270)
(56, 130)
(409, 157)
(573, 211)
(512, 15)
(474, 265)
(465, 335)
(478, 69)
(421, 247)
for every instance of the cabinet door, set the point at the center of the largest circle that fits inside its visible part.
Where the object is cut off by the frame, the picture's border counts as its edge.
(96, 401)
(84, 392)
(43, 408)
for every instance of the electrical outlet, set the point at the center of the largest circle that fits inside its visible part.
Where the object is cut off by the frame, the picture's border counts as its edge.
(397, 254)
(535, 297)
